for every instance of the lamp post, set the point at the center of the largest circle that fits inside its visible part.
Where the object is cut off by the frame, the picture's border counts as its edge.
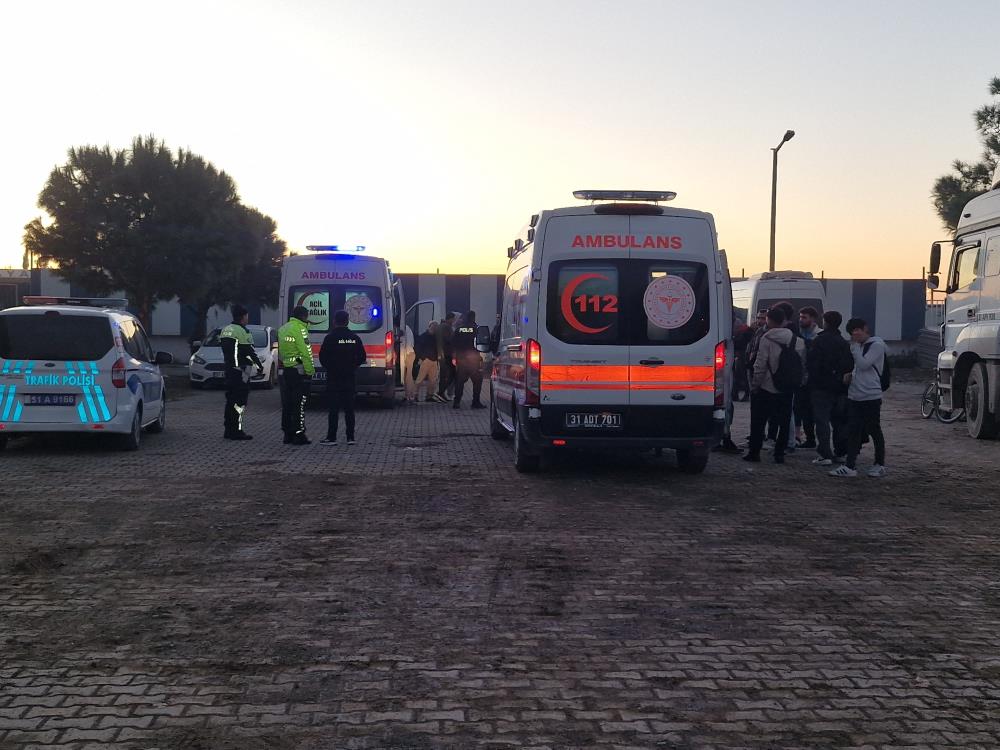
(789, 134)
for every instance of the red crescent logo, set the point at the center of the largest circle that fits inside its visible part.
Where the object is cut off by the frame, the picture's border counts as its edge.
(567, 303)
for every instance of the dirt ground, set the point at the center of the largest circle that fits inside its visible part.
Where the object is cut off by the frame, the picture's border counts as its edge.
(413, 591)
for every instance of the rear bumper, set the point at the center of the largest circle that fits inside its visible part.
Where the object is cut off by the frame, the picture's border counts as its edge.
(121, 423)
(694, 428)
(368, 380)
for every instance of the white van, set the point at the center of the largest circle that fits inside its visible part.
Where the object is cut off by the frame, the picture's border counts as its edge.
(79, 365)
(763, 290)
(614, 331)
(327, 279)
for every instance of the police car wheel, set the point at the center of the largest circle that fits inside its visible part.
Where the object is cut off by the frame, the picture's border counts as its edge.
(132, 440)
(690, 462)
(523, 461)
(161, 421)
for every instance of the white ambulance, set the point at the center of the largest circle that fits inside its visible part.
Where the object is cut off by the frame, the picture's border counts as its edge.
(328, 279)
(615, 331)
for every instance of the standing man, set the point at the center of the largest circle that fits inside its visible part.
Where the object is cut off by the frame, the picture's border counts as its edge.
(446, 355)
(468, 361)
(864, 399)
(427, 355)
(297, 371)
(341, 354)
(809, 329)
(239, 356)
(828, 361)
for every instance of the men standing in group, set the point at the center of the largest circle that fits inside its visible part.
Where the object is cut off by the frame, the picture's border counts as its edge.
(298, 368)
(468, 361)
(828, 361)
(426, 349)
(341, 354)
(864, 399)
(446, 354)
(240, 356)
(771, 388)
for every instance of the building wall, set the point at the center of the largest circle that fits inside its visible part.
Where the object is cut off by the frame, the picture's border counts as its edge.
(896, 308)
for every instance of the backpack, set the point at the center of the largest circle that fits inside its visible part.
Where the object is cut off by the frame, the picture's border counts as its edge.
(885, 374)
(788, 377)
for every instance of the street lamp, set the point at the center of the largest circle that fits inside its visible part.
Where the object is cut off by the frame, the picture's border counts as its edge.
(789, 134)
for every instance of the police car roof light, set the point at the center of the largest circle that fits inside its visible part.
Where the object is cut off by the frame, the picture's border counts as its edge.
(625, 195)
(103, 302)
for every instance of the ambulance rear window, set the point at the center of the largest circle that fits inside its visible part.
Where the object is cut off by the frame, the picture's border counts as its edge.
(363, 304)
(55, 337)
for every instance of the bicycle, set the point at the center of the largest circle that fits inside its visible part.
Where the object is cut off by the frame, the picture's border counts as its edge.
(930, 405)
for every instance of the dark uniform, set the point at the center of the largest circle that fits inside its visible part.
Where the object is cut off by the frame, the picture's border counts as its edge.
(446, 375)
(239, 356)
(468, 362)
(342, 354)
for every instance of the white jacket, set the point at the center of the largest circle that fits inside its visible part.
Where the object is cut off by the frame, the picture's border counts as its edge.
(866, 380)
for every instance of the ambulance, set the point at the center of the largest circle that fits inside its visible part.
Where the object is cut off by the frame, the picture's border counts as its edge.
(327, 279)
(615, 331)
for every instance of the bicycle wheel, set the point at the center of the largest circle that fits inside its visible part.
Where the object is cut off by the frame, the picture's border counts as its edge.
(928, 402)
(947, 416)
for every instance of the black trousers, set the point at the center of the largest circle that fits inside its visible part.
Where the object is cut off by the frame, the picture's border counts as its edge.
(237, 395)
(830, 416)
(340, 400)
(294, 394)
(446, 375)
(864, 418)
(804, 413)
(469, 368)
(776, 408)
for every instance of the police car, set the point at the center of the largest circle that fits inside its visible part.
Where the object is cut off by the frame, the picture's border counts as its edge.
(614, 331)
(207, 364)
(75, 365)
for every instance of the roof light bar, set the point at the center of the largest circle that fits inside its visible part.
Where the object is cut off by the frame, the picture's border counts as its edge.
(77, 301)
(625, 195)
(335, 249)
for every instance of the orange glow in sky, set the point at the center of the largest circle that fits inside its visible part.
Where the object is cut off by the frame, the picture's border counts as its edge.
(431, 131)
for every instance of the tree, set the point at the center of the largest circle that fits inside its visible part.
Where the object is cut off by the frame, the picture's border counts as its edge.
(951, 192)
(151, 224)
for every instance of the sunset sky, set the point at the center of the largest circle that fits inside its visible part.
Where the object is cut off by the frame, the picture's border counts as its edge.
(430, 131)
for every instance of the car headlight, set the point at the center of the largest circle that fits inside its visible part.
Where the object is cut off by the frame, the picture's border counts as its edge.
(196, 360)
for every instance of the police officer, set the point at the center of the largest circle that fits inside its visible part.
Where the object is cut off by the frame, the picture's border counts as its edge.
(240, 357)
(341, 355)
(467, 360)
(297, 370)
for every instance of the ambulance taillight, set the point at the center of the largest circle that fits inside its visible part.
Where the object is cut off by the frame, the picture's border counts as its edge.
(533, 374)
(390, 358)
(720, 374)
(118, 374)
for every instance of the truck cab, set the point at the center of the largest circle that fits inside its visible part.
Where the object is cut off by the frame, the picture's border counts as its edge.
(968, 367)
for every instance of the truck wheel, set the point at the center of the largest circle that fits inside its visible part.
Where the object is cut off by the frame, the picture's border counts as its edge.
(690, 462)
(524, 462)
(497, 430)
(981, 423)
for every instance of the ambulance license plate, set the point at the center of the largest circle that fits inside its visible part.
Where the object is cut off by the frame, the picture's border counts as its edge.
(51, 399)
(596, 421)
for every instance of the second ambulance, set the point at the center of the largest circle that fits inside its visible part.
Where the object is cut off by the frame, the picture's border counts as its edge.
(614, 333)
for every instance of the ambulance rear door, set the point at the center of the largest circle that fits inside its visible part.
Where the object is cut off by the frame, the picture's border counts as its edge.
(584, 348)
(673, 271)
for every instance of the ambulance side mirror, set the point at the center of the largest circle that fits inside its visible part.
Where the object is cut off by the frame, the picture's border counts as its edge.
(483, 338)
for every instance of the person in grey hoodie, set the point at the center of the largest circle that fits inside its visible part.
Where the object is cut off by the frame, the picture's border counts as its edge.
(766, 401)
(864, 399)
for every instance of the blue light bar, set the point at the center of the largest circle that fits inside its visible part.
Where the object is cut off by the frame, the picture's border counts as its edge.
(334, 248)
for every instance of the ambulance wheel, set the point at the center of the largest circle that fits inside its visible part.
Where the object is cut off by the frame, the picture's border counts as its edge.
(981, 423)
(497, 430)
(161, 421)
(690, 462)
(524, 462)
(132, 440)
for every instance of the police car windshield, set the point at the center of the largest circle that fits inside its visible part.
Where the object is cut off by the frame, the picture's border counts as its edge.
(259, 338)
(55, 336)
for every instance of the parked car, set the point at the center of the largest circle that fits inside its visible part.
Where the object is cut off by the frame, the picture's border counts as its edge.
(208, 367)
(75, 365)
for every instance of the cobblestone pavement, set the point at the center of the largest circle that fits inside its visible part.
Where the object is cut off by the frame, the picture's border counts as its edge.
(413, 591)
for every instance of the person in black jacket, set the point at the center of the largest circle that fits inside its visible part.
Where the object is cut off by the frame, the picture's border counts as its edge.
(829, 360)
(468, 361)
(342, 353)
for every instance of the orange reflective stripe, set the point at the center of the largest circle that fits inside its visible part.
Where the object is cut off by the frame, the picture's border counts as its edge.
(585, 386)
(628, 377)
(584, 373)
(672, 374)
(671, 387)
(375, 350)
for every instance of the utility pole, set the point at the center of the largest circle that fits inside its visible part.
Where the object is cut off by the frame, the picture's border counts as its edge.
(789, 134)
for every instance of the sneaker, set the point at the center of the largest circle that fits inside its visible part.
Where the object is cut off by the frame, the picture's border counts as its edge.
(820, 461)
(753, 458)
(843, 471)
(328, 441)
(350, 441)
(301, 439)
(878, 470)
(239, 436)
(840, 459)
